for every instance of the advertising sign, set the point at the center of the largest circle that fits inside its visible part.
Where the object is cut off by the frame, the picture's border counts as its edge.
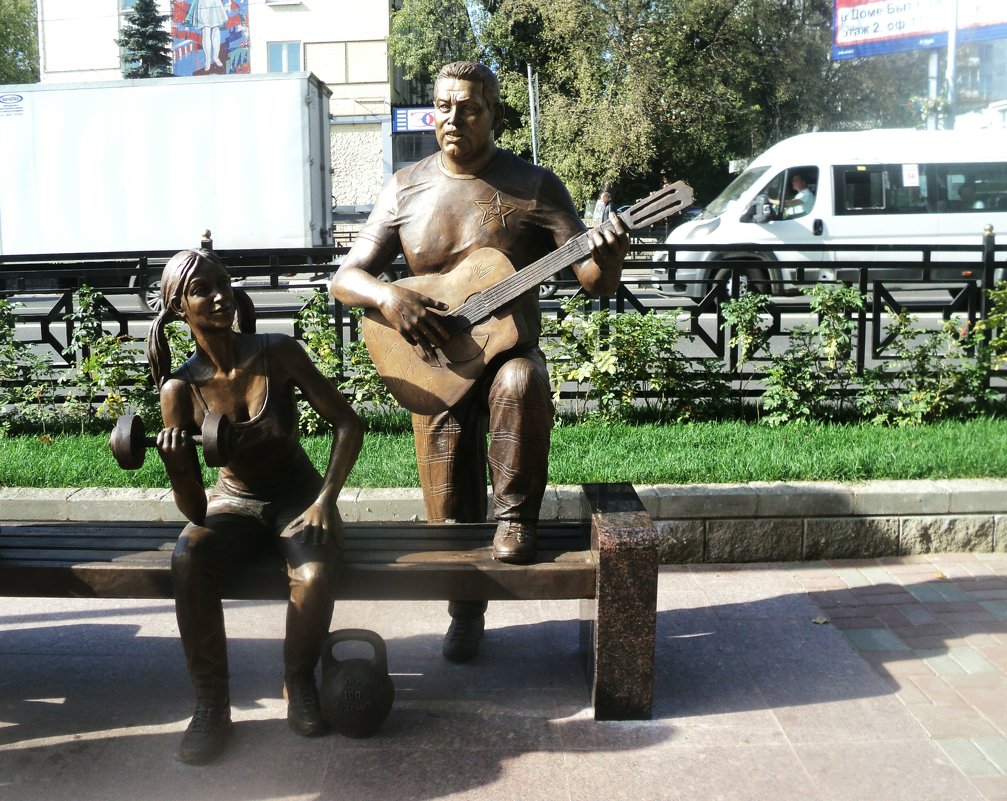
(872, 27)
(410, 120)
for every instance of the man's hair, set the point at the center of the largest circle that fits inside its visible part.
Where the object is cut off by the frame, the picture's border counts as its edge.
(475, 72)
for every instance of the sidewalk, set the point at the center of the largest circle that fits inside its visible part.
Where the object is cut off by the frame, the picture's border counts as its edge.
(876, 680)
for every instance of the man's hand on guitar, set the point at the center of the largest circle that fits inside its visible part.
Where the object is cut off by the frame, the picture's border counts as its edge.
(609, 246)
(412, 315)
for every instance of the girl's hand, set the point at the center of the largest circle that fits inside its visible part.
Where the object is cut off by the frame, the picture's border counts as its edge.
(177, 450)
(318, 524)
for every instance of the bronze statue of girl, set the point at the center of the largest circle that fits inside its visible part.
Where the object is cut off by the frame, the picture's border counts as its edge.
(268, 493)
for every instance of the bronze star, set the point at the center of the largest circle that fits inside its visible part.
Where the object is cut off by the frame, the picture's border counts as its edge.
(495, 210)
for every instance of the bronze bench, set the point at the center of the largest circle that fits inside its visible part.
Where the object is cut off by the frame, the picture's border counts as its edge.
(609, 563)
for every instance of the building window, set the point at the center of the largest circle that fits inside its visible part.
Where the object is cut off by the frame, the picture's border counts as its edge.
(283, 56)
(348, 62)
(408, 148)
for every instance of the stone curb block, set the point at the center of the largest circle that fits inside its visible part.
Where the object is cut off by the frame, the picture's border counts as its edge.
(18, 503)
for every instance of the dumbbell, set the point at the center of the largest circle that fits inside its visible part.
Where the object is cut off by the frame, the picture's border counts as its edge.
(129, 441)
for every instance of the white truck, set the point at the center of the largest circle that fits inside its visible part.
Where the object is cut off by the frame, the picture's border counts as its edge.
(143, 167)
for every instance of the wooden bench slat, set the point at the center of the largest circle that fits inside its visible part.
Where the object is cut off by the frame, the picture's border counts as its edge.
(84, 543)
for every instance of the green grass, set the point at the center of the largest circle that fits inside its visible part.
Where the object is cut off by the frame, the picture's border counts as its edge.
(643, 454)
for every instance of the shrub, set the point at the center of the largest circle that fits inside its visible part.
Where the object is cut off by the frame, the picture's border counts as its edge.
(349, 366)
(932, 374)
(625, 363)
(27, 394)
(109, 376)
(815, 376)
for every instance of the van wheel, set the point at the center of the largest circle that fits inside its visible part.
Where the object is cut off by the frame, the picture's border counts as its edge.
(152, 294)
(750, 280)
(546, 289)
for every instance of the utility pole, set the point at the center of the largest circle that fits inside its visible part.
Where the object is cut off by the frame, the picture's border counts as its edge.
(533, 111)
(951, 76)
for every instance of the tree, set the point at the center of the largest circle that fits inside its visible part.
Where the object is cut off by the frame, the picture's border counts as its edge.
(145, 42)
(18, 42)
(633, 90)
(426, 34)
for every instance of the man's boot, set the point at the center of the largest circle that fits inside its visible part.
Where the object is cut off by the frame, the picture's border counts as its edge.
(207, 733)
(304, 712)
(515, 542)
(468, 620)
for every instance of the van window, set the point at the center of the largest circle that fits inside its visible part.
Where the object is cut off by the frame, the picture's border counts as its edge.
(734, 190)
(972, 187)
(799, 191)
(792, 192)
(881, 189)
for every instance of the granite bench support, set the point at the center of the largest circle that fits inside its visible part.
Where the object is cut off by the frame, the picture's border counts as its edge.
(609, 563)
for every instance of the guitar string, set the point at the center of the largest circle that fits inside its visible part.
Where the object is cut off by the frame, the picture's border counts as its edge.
(486, 302)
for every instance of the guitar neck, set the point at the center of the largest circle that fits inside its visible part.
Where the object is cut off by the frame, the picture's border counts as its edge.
(483, 304)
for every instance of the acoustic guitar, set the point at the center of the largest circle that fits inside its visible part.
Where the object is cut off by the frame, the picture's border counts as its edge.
(479, 292)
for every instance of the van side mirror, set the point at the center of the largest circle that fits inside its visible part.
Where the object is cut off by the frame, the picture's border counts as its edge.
(763, 209)
(760, 210)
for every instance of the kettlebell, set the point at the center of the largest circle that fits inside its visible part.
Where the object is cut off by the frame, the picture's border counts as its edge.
(356, 694)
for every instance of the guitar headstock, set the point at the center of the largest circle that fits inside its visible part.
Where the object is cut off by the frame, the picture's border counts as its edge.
(666, 201)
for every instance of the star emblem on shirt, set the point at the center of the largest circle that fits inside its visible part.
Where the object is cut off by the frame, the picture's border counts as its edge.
(495, 211)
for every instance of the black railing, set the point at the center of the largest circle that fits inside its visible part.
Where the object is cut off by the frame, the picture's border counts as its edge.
(941, 282)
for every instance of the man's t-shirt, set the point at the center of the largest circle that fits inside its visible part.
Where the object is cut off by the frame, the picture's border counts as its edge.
(436, 218)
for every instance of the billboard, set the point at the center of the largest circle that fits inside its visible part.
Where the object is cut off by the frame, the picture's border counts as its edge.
(209, 37)
(411, 120)
(872, 27)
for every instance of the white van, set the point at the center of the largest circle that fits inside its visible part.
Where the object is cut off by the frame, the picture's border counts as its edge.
(861, 187)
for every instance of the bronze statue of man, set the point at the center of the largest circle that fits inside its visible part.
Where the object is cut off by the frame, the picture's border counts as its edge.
(437, 212)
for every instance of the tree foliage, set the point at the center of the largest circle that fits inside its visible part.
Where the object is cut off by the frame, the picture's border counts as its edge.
(18, 42)
(426, 34)
(633, 90)
(145, 42)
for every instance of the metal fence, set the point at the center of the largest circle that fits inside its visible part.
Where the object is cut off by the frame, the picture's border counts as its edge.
(936, 282)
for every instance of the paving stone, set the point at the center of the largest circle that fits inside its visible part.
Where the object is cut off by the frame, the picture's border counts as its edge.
(967, 756)
(952, 722)
(972, 661)
(993, 788)
(877, 770)
(881, 639)
(940, 662)
(936, 689)
(995, 750)
(998, 609)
